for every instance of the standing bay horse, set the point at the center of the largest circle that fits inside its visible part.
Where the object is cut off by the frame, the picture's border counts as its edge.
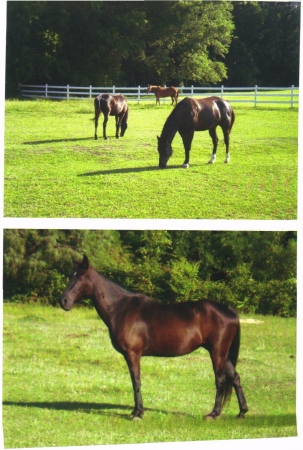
(139, 326)
(161, 92)
(192, 115)
(111, 105)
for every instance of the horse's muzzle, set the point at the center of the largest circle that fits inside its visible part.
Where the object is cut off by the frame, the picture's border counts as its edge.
(65, 304)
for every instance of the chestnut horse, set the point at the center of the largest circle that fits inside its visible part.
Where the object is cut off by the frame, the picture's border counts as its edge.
(192, 115)
(161, 92)
(139, 326)
(111, 105)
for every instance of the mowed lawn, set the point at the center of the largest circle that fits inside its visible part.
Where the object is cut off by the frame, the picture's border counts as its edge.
(55, 168)
(65, 385)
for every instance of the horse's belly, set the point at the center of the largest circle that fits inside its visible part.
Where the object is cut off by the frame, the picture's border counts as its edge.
(173, 341)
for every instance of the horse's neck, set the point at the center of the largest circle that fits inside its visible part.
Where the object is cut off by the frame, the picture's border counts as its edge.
(106, 295)
(170, 128)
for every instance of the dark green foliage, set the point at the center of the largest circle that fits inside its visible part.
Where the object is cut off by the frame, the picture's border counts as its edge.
(251, 271)
(265, 48)
(129, 43)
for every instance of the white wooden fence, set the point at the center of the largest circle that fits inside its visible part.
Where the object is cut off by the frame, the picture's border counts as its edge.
(256, 95)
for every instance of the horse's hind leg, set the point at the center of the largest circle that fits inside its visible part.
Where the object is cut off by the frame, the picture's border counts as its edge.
(118, 122)
(104, 125)
(220, 380)
(226, 141)
(213, 135)
(235, 379)
(96, 123)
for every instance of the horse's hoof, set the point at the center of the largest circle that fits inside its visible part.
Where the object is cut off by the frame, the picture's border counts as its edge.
(212, 159)
(96, 138)
(185, 166)
(136, 418)
(241, 416)
(210, 417)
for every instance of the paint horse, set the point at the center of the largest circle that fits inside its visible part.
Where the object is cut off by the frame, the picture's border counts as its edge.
(192, 115)
(161, 92)
(111, 105)
(139, 326)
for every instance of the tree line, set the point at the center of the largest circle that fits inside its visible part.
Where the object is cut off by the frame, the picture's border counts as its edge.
(128, 43)
(250, 270)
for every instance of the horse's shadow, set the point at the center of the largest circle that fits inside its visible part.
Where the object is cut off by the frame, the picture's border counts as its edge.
(89, 408)
(54, 141)
(126, 170)
(108, 409)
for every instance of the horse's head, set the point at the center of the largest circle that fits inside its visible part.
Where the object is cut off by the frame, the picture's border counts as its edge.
(148, 88)
(79, 286)
(165, 151)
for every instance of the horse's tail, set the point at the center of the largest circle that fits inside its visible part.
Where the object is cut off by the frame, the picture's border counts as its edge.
(233, 355)
(232, 118)
(97, 108)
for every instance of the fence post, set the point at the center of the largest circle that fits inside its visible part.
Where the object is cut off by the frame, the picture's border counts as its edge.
(192, 91)
(139, 93)
(46, 88)
(90, 91)
(292, 96)
(256, 94)
(222, 90)
(114, 88)
(67, 92)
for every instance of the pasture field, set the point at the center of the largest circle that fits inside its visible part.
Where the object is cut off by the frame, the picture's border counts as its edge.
(65, 385)
(55, 168)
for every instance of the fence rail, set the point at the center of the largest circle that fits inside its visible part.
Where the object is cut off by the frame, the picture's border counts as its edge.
(256, 94)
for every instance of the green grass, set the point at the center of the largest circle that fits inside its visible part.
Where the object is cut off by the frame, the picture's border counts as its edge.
(54, 167)
(65, 385)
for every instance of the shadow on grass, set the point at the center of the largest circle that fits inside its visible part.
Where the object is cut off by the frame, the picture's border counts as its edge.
(53, 141)
(89, 408)
(251, 420)
(126, 170)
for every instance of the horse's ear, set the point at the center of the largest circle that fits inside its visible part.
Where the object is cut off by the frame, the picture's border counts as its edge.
(85, 263)
(158, 138)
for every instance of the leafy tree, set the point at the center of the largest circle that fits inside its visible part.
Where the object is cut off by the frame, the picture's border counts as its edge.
(252, 271)
(105, 43)
(266, 44)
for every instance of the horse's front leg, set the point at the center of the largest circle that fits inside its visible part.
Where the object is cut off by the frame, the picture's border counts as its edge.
(133, 362)
(187, 140)
(104, 125)
(213, 135)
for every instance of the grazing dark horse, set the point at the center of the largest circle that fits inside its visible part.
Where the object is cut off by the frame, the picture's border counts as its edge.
(192, 115)
(161, 92)
(111, 105)
(138, 326)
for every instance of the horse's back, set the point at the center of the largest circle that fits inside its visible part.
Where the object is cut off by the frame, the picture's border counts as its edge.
(112, 104)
